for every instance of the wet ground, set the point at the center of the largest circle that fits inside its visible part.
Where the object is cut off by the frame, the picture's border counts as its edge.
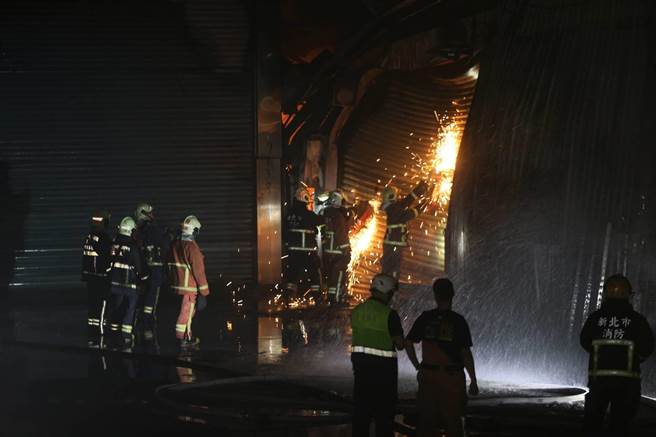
(253, 374)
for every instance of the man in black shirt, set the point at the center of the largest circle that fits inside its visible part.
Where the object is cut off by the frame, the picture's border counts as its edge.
(446, 343)
(618, 339)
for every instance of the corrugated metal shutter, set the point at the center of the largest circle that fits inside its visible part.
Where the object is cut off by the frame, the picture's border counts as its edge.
(380, 148)
(104, 106)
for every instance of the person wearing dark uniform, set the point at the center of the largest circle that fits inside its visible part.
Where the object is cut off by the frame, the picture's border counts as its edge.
(96, 254)
(618, 339)
(126, 272)
(302, 267)
(336, 246)
(377, 335)
(399, 213)
(446, 342)
(155, 244)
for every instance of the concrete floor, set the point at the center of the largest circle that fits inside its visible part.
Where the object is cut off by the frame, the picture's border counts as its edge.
(265, 375)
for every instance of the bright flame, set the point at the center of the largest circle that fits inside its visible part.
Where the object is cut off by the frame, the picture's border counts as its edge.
(361, 244)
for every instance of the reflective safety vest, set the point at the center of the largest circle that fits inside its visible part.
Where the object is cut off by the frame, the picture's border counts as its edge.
(602, 348)
(369, 322)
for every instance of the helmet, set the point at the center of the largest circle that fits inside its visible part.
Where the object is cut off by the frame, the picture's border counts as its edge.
(100, 219)
(389, 196)
(126, 226)
(617, 287)
(336, 198)
(190, 225)
(144, 212)
(323, 197)
(303, 195)
(384, 284)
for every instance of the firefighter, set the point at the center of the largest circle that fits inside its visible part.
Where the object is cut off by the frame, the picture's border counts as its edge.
(399, 213)
(187, 278)
(154, 243)
(302, 268)
(618, 339)
(96, 254)
(127, 271)
(377, 335)
(446, 341)
(336, 245)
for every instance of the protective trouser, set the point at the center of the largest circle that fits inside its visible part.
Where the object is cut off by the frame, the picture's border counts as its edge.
(97, 296)
(441, 402)
(374, 395)
(185, 317)
(391, 260)
(336, 269)
(621, 394)
(302, 273)
(123, 309)
(151, 295)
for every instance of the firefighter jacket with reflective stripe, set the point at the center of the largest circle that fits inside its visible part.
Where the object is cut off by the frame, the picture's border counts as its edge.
(370, 325)
(96, 255)
(126, 266)
(335, 234)
(301, 228)
(399, 214)
(187, 268)
(617, 339)
(154, 242)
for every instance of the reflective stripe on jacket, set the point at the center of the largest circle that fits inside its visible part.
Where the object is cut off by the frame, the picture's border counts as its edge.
(187, 268)
(126, 267)
(371, 336)
(398, 215)
(96, 252)
(301, 228)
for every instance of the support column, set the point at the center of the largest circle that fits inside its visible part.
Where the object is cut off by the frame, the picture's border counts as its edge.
(268, 142)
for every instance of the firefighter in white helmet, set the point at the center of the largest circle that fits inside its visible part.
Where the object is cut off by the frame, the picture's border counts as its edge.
(187, 278)
(155, 245)
(127, 270)
(399, 213)
(302, 268)
(377, 335)
(336, 245)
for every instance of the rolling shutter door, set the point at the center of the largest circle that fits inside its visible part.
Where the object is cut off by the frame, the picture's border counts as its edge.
(381, 146)
(106, 106)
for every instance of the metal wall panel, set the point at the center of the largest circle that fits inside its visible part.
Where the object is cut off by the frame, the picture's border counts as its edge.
(379, 147)
(105, 105)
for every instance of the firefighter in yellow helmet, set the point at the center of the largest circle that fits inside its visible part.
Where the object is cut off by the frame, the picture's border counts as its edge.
(618, 339)
(377, 335)
(302, 267)
(399, 213)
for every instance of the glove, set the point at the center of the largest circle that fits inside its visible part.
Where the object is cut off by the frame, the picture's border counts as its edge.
(201, 302)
